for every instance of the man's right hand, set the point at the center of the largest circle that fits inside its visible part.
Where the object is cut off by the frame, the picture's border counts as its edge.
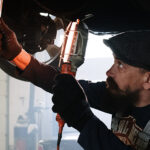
(9, 45)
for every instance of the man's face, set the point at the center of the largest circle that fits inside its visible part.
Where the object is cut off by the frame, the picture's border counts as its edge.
(124, 80)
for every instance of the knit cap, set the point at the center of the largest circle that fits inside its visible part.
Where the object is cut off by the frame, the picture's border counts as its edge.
(132, 47)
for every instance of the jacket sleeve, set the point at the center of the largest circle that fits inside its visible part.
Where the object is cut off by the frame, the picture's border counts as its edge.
(98, 96)
(10, 69)
(96, 136)
(39, 74)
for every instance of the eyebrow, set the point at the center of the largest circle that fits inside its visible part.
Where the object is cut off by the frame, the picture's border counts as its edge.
(115, 57)
(120, 61)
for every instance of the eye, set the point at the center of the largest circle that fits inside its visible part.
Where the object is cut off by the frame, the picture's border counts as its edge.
(120, 65)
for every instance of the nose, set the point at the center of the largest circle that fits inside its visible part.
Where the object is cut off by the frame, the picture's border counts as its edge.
(111, 72)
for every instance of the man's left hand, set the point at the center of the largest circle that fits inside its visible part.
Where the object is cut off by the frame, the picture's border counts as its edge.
(70, 102)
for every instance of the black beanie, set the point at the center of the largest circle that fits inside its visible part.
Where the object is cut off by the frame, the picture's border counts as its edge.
(132, 47)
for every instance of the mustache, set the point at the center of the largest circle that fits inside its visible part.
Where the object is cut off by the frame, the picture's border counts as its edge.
(111, 83)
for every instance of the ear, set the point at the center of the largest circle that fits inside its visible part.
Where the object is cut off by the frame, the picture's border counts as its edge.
(146, 83)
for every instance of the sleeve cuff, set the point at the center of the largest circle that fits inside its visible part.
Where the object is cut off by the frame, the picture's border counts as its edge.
(22, 60)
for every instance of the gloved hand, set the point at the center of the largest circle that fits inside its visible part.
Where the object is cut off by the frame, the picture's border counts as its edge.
(9, 46)
(70, 102)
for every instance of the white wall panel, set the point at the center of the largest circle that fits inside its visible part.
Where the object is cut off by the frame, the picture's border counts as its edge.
(3, 110)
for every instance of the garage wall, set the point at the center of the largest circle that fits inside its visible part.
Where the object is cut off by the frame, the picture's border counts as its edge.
(14, 101)
(3, 110)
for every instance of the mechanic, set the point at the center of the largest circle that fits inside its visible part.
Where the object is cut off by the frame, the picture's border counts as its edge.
(125, 94)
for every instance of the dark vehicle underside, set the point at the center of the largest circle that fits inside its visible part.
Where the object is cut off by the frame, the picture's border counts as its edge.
(102, 17)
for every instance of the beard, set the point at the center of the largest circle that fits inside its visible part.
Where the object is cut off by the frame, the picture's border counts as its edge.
(113, 87)
(120, 100)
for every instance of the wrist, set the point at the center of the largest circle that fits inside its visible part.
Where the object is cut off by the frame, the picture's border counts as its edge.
(86, 116)
(77, 119)
(22, 60)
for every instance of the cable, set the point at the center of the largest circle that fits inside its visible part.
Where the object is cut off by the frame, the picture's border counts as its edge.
(61, 123)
